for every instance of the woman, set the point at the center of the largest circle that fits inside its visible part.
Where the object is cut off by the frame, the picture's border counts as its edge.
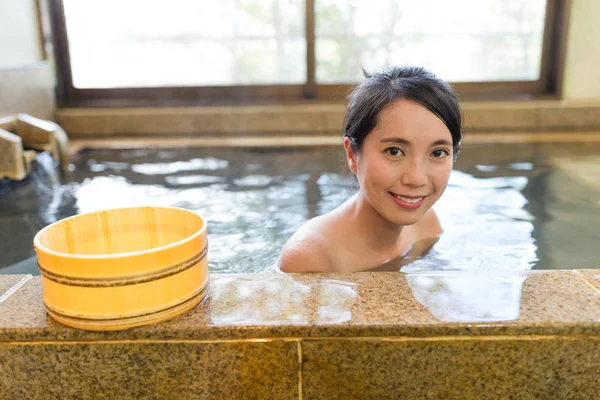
(402, 133)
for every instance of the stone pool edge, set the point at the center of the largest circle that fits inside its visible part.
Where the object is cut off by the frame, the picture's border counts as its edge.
(307, 335)
(380, 304)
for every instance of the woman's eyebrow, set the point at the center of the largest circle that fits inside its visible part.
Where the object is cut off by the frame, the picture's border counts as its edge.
(395, 140)
(439, 142)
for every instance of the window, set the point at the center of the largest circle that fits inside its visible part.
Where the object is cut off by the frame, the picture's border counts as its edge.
(234, 50)
(149, 43)
(460, 40)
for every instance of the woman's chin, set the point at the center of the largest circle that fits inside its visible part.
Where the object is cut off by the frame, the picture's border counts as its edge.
(405, 220)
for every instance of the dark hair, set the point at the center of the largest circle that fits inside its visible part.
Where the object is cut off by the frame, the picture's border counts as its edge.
(380, 90)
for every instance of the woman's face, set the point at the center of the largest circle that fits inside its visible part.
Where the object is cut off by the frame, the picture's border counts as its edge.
(404, 164)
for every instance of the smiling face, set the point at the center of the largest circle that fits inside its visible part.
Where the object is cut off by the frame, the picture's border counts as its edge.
(404, 163)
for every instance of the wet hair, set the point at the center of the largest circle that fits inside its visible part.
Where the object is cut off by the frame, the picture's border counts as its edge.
(380, 90)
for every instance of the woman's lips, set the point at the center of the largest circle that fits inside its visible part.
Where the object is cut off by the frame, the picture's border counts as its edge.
(408, 202)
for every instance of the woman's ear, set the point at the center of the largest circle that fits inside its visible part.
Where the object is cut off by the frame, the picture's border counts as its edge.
(350, 154)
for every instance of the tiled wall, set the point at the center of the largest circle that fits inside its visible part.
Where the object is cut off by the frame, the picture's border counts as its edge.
(149, 370)
(391, 368)
(582, 75)
(28, 90)
(19, 33)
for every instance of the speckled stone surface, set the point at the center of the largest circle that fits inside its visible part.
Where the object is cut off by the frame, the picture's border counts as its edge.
(8, 281)
(139, 370)
(515, 117)
(477, 368)
(363, 304)
(532, 116)
(591, 276)
(578, 117)
(559, 296)
(530, 334)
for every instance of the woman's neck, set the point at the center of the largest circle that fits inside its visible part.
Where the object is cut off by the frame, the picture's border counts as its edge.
(372, 228)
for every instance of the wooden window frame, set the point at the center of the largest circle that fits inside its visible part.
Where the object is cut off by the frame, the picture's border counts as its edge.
(547, 87)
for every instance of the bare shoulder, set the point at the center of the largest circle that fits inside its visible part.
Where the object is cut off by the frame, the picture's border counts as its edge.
(426, 234)
(429, 226)
(305, 251)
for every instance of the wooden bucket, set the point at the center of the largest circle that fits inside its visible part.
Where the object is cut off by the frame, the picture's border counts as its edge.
(120, 268)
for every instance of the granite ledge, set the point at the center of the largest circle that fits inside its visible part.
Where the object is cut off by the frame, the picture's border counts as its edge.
(347, 306)
(9, 283)
(488, 116)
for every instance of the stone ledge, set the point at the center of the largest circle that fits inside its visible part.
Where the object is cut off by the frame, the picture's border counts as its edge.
(314, 119)
(529, 335)
(382, 304)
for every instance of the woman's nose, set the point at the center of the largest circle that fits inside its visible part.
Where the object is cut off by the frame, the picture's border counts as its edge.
(414, 175)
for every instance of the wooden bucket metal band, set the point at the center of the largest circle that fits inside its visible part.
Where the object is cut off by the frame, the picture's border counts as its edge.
(200, 293)
(126, 280)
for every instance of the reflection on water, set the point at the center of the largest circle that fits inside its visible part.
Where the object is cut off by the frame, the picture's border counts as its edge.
(195, 164)
(192, 180)
(487, 227)
(507, 207)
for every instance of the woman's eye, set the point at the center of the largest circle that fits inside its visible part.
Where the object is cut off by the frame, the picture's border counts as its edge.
(440, 153)
(393, 151)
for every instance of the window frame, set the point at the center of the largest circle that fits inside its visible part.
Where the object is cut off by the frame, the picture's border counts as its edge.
(547, 87)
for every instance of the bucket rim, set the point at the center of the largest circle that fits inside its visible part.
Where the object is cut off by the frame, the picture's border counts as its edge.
(39, 247)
